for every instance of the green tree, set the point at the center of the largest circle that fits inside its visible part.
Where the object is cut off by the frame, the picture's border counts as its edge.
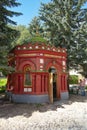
(83, 65)
(24, 36)
(36, 30)
(7, 34)
(5, 19)
(66, 23)
(35, 27)
(73, 79)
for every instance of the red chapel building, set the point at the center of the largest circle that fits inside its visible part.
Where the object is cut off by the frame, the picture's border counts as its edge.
(40, 73)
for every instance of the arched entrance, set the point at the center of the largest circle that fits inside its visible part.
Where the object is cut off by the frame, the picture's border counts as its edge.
(53, 88)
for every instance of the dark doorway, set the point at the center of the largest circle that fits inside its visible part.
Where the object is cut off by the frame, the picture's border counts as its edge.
(54, 85)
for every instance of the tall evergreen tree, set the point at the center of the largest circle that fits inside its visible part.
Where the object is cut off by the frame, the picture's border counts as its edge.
(36, 30)
(7, 34)
(35, 27)
(5, 18)
(66, 23)
(24, 36)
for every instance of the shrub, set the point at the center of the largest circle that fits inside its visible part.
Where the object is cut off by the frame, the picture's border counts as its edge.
(86, 87)
(73, 79)
(38, 38)
(3, 82)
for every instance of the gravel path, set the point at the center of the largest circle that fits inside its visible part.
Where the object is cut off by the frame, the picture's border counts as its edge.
(62, 115)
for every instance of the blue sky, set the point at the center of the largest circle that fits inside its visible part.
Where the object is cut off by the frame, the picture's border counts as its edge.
(30, 9)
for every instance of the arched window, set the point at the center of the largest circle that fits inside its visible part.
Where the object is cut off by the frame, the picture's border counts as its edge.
(27, 76)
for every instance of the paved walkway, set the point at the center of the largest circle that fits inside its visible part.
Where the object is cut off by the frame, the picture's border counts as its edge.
(61, 115)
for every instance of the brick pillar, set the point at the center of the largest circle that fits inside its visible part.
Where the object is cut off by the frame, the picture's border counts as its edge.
(46, 83)
(58, 83)
(33, 83)
(43, 84)
(62, 83)
(21, 84)
(66, 83)
(38, 84)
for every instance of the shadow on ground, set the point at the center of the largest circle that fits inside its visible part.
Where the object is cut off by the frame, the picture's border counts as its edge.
(8, 109)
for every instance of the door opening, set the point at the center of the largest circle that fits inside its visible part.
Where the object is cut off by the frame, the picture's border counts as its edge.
(53, 84)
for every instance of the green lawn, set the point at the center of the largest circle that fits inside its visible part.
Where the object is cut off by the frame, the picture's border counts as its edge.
(3, 82)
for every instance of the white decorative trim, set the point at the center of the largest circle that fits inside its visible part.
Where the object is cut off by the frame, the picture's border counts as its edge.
(41, 66)
(43, 47)
(29, 89)
(30, 47)
(48, 48)
(36, 47)
(63, 63)
(25, 89)
(41, 54)
(24, 47)
(54, 49)
(41, 61)
(19, 48)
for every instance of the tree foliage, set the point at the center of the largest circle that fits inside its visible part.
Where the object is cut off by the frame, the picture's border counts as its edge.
(5, 19)
(35, 27)
(7, 34)
(24, 36)
(73, 79)
(37, 31)
(38, 38)
(66, 22)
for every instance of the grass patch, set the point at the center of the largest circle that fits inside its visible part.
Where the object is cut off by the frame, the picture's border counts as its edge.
(3, 82)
